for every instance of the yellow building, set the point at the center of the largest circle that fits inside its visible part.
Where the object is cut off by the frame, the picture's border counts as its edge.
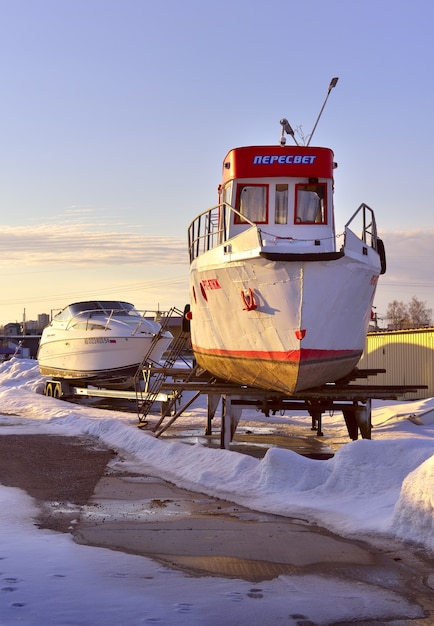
(406, 355)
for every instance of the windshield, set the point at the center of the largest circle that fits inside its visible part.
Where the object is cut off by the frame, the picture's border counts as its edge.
(104, 306)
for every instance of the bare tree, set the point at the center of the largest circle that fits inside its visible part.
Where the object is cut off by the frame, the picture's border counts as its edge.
(420, 315)
(412, 315)
(397, 315)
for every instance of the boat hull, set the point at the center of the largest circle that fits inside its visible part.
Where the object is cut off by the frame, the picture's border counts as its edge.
(285, 375)
(98, 360)
(282, 326)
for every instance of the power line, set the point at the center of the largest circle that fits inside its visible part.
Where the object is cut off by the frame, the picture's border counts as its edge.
(406, 284)
(71, 295)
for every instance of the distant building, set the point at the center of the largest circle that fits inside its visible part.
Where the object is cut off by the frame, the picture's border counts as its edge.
(22, 338)
(13, 328)
(43, 320)
(31, 327)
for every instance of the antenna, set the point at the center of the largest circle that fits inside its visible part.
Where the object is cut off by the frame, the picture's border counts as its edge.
(332, 84)
(286, 128)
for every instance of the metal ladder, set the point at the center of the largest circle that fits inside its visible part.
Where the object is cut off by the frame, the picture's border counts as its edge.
(155, 374)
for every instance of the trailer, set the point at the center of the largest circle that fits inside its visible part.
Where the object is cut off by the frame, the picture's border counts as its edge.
(61, 388)
(354, 400)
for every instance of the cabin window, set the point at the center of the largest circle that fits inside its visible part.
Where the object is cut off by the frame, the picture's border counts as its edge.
(310, 204)
(88, 325)
(63, 315)
(281, 204)
(227, 194)
(224, 218)
(252, 203)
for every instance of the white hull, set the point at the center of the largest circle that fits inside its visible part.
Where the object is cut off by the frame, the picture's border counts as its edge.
(100, 349)
(97, 360)
(308, 328)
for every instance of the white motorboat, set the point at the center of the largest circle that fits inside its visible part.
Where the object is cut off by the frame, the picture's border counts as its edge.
(102, 343)
(275, 303)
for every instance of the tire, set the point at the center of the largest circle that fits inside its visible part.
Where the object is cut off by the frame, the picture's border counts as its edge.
(185, 321)
(382, 252)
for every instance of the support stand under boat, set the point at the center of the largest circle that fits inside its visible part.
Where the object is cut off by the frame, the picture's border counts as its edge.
(231, 414)
(316, 415)
(353, 400)
(358, 417)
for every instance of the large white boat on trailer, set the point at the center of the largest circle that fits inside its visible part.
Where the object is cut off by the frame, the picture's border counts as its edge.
(275, 302)
(100, 343)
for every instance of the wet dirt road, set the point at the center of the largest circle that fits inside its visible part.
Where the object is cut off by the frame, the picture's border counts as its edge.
(73, 478)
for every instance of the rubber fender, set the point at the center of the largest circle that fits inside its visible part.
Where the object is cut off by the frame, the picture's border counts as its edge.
(185, 320)
(382, 252)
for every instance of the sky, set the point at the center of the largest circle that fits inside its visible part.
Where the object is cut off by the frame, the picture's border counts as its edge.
(380, 489)
(116, 117)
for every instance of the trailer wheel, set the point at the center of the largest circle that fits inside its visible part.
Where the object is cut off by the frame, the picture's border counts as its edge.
(49, 390)
(57, 391)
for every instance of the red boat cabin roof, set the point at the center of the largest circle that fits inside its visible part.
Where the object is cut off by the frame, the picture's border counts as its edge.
(278, 161)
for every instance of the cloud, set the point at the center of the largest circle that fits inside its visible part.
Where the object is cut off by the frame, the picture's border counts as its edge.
(410, 268)
(83, 245)
(410, 256)
(410, 253)
(73, 243)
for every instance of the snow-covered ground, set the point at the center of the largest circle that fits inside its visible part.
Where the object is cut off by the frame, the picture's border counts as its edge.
(383, 487)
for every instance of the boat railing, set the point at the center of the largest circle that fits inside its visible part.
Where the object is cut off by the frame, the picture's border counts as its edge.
(211, 228)
(139, 323)
(109, 319)
(364, 221)
(87, 320)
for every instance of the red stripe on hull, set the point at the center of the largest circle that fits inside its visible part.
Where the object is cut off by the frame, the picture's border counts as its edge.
(296, 356)
(286, 372)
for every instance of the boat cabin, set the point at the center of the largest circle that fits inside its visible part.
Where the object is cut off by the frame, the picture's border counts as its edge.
(286, 191)
(281, 194)
(94, 307)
